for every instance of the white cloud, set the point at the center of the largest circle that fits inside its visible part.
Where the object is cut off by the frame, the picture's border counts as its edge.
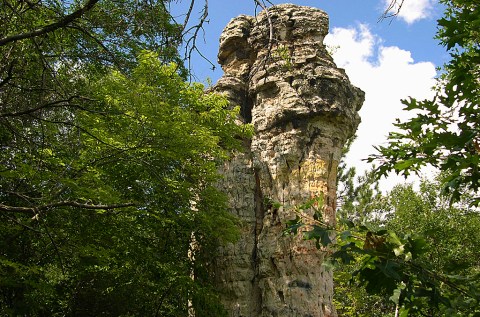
(386, 74)
(412, 10)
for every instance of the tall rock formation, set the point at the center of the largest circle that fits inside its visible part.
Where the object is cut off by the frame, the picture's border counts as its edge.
(303, 109)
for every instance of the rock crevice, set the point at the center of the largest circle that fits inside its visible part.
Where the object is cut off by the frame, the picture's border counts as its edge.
(256, 256)
(303, 109)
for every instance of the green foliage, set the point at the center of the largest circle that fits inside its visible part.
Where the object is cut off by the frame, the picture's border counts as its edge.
(451, 234)
(445, 132)
(413, 254)
(353, 300)
(154, 143)
(321, 234)
(398, 268)
(432, 268)
(108, 163)
(283, 55)
(421, 257)
(358, 197)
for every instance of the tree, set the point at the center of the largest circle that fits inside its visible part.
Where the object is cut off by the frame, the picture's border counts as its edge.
(103, 213)
(359, 198)
(450, 231)
(108, 161)
(445, 131)
(361, 202)
(421, 259)
(407, 252)
(452, 241)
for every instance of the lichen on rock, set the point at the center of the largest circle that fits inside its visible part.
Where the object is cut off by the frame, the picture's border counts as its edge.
(303, 109)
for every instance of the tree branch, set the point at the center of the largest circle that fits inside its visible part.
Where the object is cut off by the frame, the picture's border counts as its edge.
(99, 42)
(71, 124)
(54, 104)
(50, 27)
(187, 17)
(262, 5)
(191, 43)
(36, 210)
(263, 63)
(55, 246)
(395, 6)
(9, 74)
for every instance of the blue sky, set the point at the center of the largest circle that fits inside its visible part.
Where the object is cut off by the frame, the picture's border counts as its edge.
(390, 60)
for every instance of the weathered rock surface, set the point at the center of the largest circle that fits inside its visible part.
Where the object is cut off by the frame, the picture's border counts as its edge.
(303, 109)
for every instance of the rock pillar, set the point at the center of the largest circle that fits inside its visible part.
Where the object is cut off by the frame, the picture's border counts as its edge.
(303, 109)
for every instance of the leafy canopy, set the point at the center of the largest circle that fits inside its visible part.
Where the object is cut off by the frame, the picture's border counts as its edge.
(107, 165)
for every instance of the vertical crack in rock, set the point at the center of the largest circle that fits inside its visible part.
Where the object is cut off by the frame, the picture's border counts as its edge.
(246, 107)
(259, 215)
(303, 109)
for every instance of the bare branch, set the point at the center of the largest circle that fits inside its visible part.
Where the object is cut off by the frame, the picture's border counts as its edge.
(392, 10)
(186, 35)
(262, 5)
(263, 63)
(187, 17)
(51, 27)
(191, 43)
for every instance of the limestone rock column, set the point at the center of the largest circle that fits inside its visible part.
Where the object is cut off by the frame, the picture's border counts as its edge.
(303, 109)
